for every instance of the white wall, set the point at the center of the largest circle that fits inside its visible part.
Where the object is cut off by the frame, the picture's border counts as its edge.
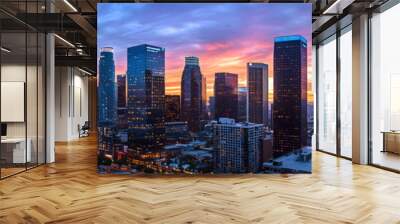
(71, 102)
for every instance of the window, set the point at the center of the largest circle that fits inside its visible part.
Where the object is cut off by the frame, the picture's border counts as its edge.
(385, 89)
(327, 95)
(346, 95)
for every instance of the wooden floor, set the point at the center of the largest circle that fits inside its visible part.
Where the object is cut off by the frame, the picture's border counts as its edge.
(70, 191)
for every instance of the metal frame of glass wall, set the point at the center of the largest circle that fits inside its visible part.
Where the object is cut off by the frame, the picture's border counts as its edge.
(27, 55)
(336, 36)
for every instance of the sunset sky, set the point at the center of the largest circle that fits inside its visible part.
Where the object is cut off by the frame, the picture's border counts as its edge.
(225, 36)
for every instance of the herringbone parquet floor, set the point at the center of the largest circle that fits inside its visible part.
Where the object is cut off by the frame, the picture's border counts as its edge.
(70, 191)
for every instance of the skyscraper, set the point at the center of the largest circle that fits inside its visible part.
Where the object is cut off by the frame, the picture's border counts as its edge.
(237, 146)
(146, 95)
(290, 94)
(211, 107)
(226, 95)
(172, 108)
(204, 114)
(242, 104)
(122, 111)
(257, 82)
(193, 99)
(121, 88)
(107, 95)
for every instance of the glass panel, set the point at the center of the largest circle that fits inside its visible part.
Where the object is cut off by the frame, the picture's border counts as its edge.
(327, 95)
(346, 92)
(13, 87)
(385, 84)
(31, 98)
(23, 87)
(41, 98)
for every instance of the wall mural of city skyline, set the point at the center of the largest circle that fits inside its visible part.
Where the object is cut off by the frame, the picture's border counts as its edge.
(197, 88)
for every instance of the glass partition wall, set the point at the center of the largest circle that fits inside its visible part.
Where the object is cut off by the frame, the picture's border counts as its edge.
(22, 88)
(385, 89)
(334, 93)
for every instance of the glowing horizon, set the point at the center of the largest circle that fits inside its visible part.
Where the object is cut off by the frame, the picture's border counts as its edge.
(224, 36)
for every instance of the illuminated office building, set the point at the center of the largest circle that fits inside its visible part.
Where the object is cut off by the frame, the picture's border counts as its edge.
(290, 94)
(172, 108)
(146, 95)
(226, 95)
(193, 94)
(257, 82)
(242, 104)
(107, 103)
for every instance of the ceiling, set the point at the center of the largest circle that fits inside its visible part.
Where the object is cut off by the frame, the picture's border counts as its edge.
(75, 22)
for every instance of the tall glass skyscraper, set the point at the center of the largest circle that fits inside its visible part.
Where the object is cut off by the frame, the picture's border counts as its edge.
(121, 102)
(172, 108)
(146, 95)
(257, 82)
(290, 94)
(121, 84)
(107, 94)
(226, 95)
(193, 94)
(242, 104)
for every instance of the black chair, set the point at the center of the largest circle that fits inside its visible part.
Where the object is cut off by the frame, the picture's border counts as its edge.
(84, 130)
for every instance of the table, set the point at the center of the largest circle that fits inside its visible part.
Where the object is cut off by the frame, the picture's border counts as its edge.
(391, 141)
(13, 150)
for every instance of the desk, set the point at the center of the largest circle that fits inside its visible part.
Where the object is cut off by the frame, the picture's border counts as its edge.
(391, 141)
(13, 150)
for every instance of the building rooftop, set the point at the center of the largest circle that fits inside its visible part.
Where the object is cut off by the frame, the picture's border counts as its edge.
(257, 65)
(148, 47)
(231, 123)
(107, 49)
(290, 38)
(176, 123)
(191, 60)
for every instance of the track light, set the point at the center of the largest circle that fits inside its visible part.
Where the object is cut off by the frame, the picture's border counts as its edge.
(70, 5)
(64, 40)
(84, 71)
(5, 50)
(337, 7)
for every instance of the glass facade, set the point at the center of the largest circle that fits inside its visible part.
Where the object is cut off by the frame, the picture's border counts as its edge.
(334, 57)
(257, 82)
(290, 94)
(193, 101)
(22, 87)
(334, 107)
(226, 95)
(146, 94)
(107, 104)
(385, 89)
